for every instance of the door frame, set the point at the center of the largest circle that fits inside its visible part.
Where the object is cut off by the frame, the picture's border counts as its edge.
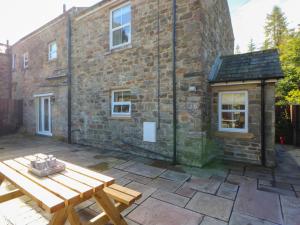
(41, 98)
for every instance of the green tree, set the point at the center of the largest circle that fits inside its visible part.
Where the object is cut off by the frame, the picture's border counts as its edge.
(237, 49)
(251, 46)
(288, 89)
(275, 28)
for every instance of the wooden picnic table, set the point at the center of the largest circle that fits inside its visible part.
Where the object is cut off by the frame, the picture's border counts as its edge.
(58, 194)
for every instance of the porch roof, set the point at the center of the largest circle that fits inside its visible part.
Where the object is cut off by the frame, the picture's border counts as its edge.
(259, 65)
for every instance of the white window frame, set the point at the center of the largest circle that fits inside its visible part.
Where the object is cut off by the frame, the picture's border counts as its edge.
(25, 60)
(113, 104)
(111, 29)
(50, 54)
(13, 61)
(220, 110)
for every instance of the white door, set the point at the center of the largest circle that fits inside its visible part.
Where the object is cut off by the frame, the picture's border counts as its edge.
(44, 116)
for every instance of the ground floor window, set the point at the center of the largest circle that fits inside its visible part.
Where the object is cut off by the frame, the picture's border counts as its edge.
(121, 103)
(233, 111)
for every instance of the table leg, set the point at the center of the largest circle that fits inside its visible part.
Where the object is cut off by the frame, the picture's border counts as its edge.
(73, 217)
(59, 218)
(1, 179)
(111, 211)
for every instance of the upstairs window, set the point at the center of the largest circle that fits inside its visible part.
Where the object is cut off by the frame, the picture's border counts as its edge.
(121, 103)
(13, 61)
(233, 111)
(25, 60)
(120, 26)
(52, 53)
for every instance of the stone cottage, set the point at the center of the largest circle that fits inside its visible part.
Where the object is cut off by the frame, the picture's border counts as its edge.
(131, 76)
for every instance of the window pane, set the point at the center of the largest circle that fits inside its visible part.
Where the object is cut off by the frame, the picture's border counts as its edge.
(117, 18)
(117, 108)
(125, 108)
(235, 101)
(118, 97)
(233, 120)
(125, 34)
(126, 15)
(126, 96)
(117, 37)
(239, 101)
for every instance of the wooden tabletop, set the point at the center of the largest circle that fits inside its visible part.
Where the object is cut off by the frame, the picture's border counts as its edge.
(57, 191)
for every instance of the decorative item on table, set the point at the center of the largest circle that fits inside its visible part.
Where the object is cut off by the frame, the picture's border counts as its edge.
(44, 166)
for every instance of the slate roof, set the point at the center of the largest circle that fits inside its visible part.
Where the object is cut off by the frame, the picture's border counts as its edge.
(260, 65)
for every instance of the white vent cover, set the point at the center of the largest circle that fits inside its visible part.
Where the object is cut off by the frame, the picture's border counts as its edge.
(149, 132)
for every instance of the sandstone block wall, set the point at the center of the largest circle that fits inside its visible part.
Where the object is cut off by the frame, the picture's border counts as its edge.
(145, 68)
(246, 147)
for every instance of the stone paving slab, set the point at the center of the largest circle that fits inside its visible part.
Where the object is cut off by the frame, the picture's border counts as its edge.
(171, 198)
(238, 180)
(144, 170)
(251, 201)
(138, 178)
(175, 176)
(211, 205)
(186, 191)
(115, 173)
(228, 190)
(164, 184)
(240, 219)
(155, 212)
(144, 189)
(211, 221)
(276, 190)
(291, 210)
(207, 185)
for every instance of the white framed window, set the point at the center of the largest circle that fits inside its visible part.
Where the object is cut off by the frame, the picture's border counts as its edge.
(120, 26)
(52, 51)
(121, 103)
(233, 111)
(13, 61)
(25, 60)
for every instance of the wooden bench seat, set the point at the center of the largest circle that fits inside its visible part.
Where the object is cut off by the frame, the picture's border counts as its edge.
(123, 197)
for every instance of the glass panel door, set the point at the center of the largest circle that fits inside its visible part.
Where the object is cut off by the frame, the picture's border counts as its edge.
(44, 115)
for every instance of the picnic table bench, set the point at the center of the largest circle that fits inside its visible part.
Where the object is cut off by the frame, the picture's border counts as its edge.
(59, 193)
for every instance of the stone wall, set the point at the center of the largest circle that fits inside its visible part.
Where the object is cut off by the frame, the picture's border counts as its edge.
(42, 76)
(246, 147)
(4, 76)
(145, 68)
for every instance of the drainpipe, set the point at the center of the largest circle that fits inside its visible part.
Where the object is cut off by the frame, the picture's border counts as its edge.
(174, 84)
(69, 75)
(262, 102)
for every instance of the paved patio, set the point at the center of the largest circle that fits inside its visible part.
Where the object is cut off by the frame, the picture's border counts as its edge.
(220, 194)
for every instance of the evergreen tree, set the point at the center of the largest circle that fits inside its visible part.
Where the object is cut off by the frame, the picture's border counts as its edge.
(237, 49)
(275, 28)
(251, 46)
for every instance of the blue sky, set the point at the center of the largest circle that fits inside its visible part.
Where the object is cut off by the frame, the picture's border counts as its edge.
(248, 16)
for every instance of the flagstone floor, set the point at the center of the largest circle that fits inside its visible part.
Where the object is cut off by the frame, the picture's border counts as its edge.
(221, 194)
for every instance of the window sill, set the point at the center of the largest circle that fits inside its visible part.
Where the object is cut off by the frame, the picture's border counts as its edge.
(237, 135)
(119, 49)
(129, 118)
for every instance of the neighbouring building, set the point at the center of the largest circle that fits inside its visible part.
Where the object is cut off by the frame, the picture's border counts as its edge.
(5, 74)
(141, 76)
(39, 77)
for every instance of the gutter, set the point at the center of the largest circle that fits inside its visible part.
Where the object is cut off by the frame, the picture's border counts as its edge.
(69, 74)
(262, 122)
(174, 84)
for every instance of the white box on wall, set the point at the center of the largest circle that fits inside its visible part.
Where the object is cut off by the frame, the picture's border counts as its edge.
(149, 129)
